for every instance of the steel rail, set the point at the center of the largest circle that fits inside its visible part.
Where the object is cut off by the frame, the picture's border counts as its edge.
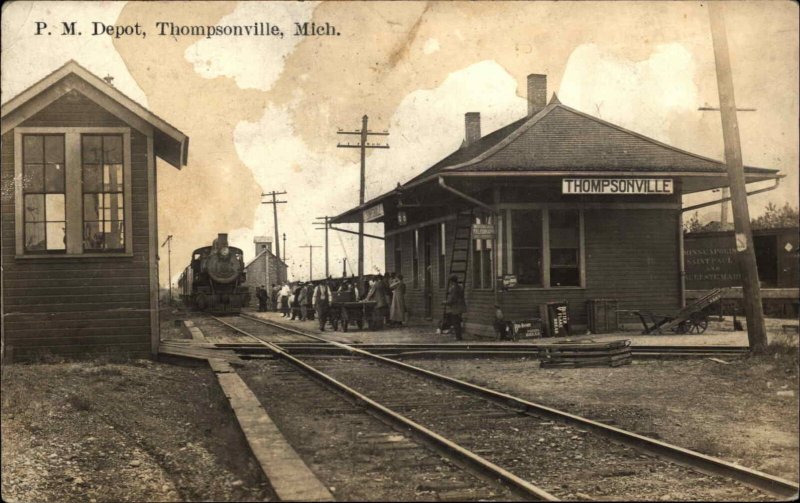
(476, 464)
(679, 455)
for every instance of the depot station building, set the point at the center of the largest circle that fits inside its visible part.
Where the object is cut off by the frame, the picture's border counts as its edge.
(564, 208)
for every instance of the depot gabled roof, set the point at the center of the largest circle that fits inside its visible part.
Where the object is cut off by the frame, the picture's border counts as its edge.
(562, 141)
(169, 143)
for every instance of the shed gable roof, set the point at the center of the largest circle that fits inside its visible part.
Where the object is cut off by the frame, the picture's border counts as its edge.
(170, 144)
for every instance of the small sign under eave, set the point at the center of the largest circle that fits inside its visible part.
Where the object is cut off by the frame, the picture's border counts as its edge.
(373, 213)
(483, 231)
(617, 186)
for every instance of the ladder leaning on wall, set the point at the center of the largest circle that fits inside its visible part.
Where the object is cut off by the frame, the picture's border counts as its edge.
(459, 254)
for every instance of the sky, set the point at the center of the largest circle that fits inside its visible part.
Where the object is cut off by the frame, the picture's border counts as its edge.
(262, 112)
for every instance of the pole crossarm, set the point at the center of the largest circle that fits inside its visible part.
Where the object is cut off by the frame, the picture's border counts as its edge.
(364, 133)
(275, 204)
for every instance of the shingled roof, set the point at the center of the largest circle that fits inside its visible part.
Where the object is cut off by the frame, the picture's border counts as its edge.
(560, 141)
(560, 138)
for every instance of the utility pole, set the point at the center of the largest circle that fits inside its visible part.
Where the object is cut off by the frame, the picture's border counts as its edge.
(168, 242)
(275, 204)
(311, 260)
(324, 227)
(344, 267)
(745, 255)
(725, 192)
(284, 256)
(364, 134)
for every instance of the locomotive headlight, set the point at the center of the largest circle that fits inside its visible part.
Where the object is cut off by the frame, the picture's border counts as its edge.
(224, 251)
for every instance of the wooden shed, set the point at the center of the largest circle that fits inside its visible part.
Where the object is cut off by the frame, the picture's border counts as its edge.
(79, 225)
(556, 207)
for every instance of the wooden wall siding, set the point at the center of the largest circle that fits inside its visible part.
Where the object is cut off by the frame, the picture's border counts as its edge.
(415, 297)
(256, 276)
(631, 256)
(76, 305)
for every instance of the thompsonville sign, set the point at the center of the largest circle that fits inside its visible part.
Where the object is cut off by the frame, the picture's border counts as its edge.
(657, 186)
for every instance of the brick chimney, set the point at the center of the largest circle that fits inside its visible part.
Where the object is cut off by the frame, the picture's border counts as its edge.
(472, 126)
(537, 93)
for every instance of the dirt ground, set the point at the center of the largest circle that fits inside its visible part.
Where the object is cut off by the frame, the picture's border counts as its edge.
(131, 430)
(744, 410)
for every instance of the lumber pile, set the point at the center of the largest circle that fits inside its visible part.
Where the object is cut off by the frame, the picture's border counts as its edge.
(590, 354)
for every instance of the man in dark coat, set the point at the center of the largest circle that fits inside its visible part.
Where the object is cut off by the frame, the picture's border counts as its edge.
(261, 295)
(322, 301)
(456, 305)
(379, 294)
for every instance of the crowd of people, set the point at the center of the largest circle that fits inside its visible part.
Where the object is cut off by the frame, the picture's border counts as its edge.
(306, 301)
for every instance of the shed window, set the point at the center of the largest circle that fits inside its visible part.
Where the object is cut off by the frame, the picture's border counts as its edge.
(103, 193)
(44, 214)
(74, 199)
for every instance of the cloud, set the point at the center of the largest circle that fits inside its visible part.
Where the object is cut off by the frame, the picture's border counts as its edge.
(254, 62)
(96, 53)
(428, 124)
(644, 96)
(431, 46)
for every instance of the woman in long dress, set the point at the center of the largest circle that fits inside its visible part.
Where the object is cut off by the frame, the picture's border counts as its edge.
(398, 307)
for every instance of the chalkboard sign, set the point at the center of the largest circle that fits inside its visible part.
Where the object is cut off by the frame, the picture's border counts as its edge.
(557, 319)
(526, 329)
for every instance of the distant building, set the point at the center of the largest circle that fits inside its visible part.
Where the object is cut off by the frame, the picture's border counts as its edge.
(265, 268)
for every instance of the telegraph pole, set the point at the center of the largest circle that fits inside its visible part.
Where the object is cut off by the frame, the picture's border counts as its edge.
(751, 291)
(275, 204)
(324, 223)
(311, 260)
(168, 242)
(364, 135)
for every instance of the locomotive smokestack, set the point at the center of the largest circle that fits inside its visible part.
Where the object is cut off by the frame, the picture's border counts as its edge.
(222, 240)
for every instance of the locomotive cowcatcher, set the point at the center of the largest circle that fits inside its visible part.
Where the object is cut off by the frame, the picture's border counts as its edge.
(214, 280)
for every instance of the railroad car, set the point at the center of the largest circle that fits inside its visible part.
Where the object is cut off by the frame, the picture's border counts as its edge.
(709, 259)
(214, 279)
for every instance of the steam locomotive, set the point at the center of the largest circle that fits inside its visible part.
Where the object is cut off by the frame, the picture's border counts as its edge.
(214, 280)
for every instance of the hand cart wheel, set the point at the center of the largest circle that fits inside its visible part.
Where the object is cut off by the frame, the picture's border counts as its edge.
(698, 323)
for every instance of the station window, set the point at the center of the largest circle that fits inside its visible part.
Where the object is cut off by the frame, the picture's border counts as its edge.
(564, 248)
(415, 261)
(442, 254)
(103, 193)
(74, 190)
(482, 258)
(557, 231)
(398, 254)
(526, 247)
(44, 193)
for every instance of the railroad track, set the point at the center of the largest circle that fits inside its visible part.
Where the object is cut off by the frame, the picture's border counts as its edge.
(498, 436)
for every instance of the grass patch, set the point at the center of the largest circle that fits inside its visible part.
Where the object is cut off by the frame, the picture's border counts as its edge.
(79, 402)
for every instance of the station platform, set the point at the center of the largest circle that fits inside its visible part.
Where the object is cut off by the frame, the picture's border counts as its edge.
(424, 332)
